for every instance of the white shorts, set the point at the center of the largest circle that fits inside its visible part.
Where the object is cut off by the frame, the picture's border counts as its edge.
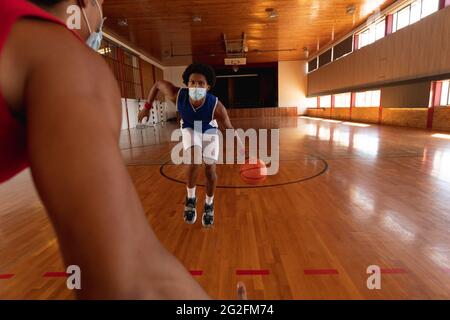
(209, 143)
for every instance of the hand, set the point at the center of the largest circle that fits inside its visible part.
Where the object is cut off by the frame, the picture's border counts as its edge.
(241, 291)
(144, 113)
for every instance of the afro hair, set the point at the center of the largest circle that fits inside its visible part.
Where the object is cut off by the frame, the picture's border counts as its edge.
(203, 69)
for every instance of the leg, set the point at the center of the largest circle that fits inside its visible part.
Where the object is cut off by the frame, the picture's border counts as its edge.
(190, 211)
(193, 168)
(211, 179)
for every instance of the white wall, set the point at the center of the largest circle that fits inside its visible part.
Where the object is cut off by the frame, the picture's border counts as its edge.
(174, 75)
(292, 85)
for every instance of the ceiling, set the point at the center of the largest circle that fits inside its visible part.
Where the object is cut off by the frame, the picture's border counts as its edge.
(166, 29)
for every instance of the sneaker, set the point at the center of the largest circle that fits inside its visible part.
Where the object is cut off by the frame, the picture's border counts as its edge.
(208, 215)
(190, 213)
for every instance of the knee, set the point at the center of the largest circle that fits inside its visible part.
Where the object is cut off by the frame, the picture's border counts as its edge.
(210, 173)
(193, 168)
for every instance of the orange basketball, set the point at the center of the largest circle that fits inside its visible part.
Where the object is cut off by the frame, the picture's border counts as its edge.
(253, 173)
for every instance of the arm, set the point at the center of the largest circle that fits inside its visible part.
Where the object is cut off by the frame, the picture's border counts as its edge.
(80, 176)
(221, 115)
(166, 88)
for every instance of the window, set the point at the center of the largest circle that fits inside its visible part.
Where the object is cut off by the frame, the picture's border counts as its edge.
(415, 11)
(374, 32)
(325, 102)
(412, 13)
(368, 99)
(311, 102)
(429, 7)
(312, 65)
(403, 18)
(380, 30)
(445, 93)
(343, 48)
(125, 67)
(364, 38)
(342, 100)
(325, 58)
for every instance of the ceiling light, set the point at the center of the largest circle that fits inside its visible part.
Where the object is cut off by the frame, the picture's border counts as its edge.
(271, 13)
(351, 9)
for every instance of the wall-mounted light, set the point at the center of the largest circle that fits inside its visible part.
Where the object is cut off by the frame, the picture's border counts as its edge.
(351, 9)
(122, 22)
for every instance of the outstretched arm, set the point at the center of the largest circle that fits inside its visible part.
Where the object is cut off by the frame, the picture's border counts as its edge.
(221, 115)
(166, 88)
(81, 178)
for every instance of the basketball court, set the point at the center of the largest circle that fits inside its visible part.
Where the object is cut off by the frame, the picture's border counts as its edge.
(357, 93)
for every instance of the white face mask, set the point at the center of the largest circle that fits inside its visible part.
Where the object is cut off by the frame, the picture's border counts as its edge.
(95, 38)
(197, 94)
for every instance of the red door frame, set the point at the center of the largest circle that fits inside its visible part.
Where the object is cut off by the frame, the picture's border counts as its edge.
(332, 106)
(389, 24)
(435, 97)
(352, 103)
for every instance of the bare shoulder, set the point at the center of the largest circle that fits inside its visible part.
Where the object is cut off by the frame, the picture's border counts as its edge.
(48, 46)
(220, 110)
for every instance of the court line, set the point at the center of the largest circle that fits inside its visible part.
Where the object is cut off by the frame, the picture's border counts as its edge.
(55, 275)
(393, 271)
(325, 169)
(319, 272)
(196, 272)
(255, 272)
(6, 276)
(156, 163)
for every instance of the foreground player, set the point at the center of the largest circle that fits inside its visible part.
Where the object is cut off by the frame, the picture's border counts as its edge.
(46, 75)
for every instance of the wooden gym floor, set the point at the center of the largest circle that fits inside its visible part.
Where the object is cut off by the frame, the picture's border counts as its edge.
(365, 196)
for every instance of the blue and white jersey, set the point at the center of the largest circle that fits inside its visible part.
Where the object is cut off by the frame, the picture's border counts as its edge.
(204, 113)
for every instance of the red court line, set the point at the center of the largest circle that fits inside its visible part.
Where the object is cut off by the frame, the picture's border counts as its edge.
(6, 276)
(318, 272)
(196, 272)
(55, 275)
(252, 272)
(393, 271)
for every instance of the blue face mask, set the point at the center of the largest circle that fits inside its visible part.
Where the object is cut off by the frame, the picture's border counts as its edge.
(95, 38)
(197, 94)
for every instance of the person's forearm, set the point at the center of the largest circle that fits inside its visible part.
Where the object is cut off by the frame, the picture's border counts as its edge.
(152, 95)
(229, 126)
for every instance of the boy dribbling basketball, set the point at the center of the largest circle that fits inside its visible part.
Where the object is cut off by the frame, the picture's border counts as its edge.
(200, 113)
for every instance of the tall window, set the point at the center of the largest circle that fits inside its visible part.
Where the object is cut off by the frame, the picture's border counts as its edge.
(125, 67)
(368, 99)
(311, 102)
(342, 100)
(325, 102)
(445, 93)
